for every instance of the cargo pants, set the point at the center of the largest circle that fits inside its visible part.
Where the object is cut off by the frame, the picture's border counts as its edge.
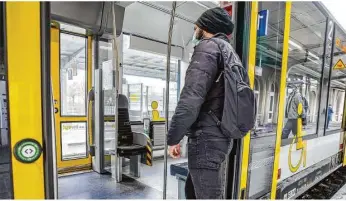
(207, 155)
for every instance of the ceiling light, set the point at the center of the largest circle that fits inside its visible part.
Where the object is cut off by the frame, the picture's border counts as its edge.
(295, 45)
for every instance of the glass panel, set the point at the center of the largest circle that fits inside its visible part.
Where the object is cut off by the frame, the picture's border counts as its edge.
(304, 72)
(105, 63)
(271, 103)
(73, 75)
(5, 161)
(268, 59)
(135, 96)
(306, 85)
(73, 140)
(336, 99)
(144, 81)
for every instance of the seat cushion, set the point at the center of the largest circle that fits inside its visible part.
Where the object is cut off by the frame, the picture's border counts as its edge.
(179, 168)
(131, 150)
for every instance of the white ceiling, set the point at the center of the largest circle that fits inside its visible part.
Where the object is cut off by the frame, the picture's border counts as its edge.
(151, 19)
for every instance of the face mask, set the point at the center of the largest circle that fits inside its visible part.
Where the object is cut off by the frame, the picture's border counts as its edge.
(195, 41)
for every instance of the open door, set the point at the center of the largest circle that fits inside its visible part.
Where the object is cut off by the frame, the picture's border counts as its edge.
(71, 79)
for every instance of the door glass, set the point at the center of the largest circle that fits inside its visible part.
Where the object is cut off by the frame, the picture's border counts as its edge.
(73, 75)
(73, 140)
(304, 70)
(268, 59)
(108, 81)
(306, 85)
(335, 108)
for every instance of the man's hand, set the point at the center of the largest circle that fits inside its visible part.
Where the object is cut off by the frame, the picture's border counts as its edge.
(174, 151)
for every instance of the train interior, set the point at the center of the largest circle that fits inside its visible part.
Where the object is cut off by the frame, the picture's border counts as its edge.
(93, 164)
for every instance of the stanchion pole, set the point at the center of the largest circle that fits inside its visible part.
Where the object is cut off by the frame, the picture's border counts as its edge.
(115, 63)
(168, 71)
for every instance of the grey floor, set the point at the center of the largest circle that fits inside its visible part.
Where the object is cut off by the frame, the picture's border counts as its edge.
(95, 186)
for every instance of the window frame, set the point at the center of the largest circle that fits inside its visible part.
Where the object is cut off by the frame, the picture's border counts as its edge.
(325, 132)
(285, 142)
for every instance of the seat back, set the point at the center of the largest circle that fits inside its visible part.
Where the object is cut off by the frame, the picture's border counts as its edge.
(124, 126)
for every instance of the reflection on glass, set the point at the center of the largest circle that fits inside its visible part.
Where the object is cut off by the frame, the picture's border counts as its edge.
(73, 75)
(304, 70)
(73, 140)
(267, 82)
(335, 107)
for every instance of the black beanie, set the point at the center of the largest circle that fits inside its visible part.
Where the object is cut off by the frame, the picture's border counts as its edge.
(216, 20)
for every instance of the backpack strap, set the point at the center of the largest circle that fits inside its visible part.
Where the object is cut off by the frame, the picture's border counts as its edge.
(214, 117)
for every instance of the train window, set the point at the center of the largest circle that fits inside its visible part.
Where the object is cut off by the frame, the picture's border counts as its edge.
(144, 81)
(336, 96)
(73, 75)
(73, 140)
(304, 70)
(267, 85)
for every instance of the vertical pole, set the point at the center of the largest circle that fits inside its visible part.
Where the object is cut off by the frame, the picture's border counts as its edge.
(115, 63)
(50, 173)
(168, 71)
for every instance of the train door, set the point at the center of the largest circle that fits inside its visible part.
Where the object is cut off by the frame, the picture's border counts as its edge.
(307, 151)
(71, 79)
(264, 63)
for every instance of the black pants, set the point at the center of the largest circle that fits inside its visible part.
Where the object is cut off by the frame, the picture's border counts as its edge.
(291, 125)
(207, 166)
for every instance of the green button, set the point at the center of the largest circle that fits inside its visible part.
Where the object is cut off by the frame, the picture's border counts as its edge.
(27, 151)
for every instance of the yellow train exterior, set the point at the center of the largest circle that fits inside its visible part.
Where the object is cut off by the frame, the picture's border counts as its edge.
(286, 47)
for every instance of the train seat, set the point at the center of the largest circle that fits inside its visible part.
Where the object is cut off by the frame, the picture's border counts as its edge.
(129, 143)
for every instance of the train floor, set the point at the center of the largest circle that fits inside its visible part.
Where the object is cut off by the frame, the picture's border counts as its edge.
(91, 185)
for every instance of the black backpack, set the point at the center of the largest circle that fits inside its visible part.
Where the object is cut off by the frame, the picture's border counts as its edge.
(239, 111)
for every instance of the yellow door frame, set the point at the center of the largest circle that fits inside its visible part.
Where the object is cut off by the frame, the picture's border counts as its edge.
(73, 164)
(282, 95)
(343, 126)
(251, 73)
(26, 75)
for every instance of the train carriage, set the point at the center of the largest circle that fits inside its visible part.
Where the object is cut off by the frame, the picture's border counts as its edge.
(71, 70)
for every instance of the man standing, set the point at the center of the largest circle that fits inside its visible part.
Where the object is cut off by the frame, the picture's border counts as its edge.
(330, 114)
(203, 92)
(291, 113)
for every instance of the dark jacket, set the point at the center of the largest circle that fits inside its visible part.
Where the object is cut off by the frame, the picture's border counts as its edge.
(200, 93)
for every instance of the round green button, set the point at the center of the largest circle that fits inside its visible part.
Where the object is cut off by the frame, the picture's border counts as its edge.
(27, 151)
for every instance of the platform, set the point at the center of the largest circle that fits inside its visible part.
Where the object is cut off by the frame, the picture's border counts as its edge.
(341, 194)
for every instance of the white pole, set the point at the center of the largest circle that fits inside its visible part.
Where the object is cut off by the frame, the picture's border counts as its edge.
(168, 71)
(115, 62)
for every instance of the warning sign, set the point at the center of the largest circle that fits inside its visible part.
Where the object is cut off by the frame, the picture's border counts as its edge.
(339, 65)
